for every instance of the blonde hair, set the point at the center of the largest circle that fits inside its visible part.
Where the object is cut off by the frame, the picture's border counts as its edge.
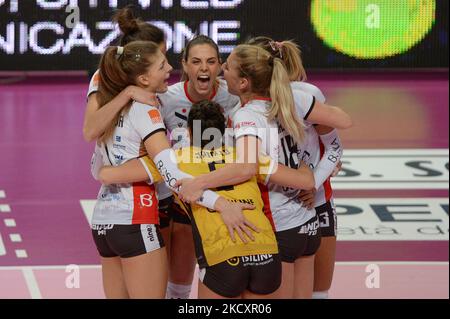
(119, 68)
(268, 77)
(288, 51)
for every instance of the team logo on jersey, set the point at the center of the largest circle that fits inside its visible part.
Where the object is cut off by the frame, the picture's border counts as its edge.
(155, 116)
(118, 139)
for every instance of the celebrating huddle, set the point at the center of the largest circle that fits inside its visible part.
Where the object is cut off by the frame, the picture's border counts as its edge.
(231, 173)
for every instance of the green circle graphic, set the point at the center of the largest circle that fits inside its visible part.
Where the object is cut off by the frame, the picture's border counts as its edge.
(372, 29)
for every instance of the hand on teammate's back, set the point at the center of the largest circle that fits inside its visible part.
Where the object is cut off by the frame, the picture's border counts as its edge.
(235, 220)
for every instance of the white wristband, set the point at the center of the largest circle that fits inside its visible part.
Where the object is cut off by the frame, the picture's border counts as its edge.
(332, 155)
(167, 166)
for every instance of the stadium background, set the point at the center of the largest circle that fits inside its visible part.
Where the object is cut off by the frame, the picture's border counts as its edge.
(333, 34)
(385, 62)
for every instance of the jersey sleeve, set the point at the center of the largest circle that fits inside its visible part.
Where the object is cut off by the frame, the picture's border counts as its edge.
(151, 169)
(93, 84)
(247, 124)
(304, 103)
(147, 120)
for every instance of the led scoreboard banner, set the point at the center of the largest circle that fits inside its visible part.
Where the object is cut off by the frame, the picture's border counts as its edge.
(72, 34)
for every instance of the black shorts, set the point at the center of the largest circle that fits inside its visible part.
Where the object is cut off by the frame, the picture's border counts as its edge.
(126, 241)
(169, 210)
(327, 219)
(259, 274)
(300, 241)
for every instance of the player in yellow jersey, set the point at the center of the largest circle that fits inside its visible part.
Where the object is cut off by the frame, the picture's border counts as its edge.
(228, 268)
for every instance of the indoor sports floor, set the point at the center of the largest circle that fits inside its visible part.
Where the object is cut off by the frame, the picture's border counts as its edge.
(392, 194)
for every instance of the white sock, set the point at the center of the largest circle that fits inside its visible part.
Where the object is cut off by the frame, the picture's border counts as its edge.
(175, 291)
(320, 295)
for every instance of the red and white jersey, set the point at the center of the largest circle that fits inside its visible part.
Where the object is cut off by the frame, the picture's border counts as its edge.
(285, 208)
(126, 204)
(176, 105)
(313, 151)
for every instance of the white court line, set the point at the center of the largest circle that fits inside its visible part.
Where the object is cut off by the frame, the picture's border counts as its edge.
(2, 194)
(15, 238)
(10, 222)
(32, 284)
(339, 263)
(49, 267)
(5, 209)
(2, 247)
(21, 253)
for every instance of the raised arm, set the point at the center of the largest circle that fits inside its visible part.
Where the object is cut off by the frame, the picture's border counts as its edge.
(96, 118)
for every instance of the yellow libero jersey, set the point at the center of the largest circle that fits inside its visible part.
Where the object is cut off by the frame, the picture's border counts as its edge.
(213, 243)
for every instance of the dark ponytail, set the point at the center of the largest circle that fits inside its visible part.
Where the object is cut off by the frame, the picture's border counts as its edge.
(134, 29)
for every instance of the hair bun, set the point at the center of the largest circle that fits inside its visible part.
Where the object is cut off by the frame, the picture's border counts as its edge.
(126, 20)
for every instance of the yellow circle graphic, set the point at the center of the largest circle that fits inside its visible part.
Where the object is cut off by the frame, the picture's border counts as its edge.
(372, 29)
(233, 261)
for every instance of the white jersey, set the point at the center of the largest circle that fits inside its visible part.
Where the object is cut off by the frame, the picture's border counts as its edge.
(313, 148)
(93, 84)
(162, 190)
(176, 104)
(287, 211)
(309, 88)
(175, 107)
(127, 204)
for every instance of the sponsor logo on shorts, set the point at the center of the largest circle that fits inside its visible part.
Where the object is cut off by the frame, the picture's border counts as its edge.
(101, 229)
(254, 260)
(310, 228)
(233, 261)
(150, 234)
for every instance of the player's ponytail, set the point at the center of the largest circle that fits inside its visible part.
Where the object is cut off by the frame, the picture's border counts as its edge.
(268, 77)
(288, 51)
(119, 68)
(283, 106)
